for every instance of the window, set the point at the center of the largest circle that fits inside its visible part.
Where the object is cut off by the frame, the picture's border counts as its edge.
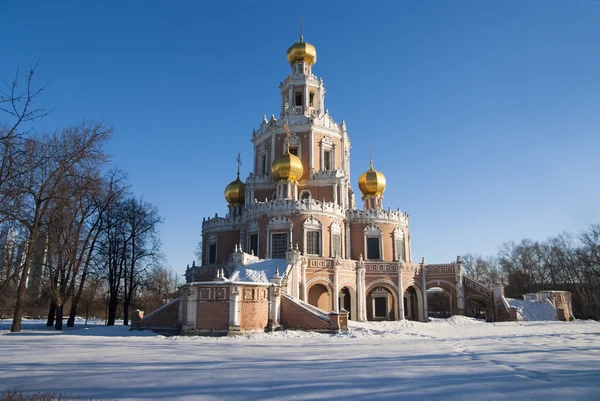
(278, 245)
(313, 243)
(254, 244)
(294, 150)
(380, 306)
(212, 254)
(263, 164)
(327, 160)
(400, 249)
(298, 99)
(304, 195)
(312, 99)
(373, 249)
(336, 245)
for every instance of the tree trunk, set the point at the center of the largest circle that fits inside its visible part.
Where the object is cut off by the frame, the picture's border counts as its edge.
(72, 313)
(126, 313)
(51, 312)
(113, 303)
(59, 316)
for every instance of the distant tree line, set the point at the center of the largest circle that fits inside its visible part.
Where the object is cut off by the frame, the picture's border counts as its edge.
(569, 262)
(72, 235)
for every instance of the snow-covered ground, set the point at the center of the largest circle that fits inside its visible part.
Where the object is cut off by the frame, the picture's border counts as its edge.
(454, 359)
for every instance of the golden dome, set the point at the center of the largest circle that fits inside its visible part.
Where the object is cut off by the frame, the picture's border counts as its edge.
(300, 51)
(235, 192)
(371, 182)
(287, 167)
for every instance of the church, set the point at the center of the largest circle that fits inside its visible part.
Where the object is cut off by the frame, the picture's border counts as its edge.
(295, 250)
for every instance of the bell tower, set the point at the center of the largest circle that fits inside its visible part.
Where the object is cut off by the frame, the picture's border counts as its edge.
(301, 92)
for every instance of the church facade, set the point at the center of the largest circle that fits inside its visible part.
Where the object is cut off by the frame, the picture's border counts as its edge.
(297, 206)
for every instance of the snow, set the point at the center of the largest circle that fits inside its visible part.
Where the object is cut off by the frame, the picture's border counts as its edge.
(532, 310)
(258, 272)
(454, 359)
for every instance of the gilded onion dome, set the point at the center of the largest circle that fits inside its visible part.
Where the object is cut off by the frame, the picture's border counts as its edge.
(371, 182)
(235, 192)
(302, 51)
(287, 167)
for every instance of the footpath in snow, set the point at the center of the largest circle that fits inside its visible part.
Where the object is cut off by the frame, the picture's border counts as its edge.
(454, 359)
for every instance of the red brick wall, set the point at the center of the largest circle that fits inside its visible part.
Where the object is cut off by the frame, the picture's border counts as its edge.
(254, 308)
(212, 315)
(212, 310)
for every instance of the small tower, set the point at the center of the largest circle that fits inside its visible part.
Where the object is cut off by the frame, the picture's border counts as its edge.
(235, 193)
(372, 184)
(302, 93)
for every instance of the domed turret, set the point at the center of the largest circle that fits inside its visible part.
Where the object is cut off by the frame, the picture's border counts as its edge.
(287, 167)
(235, 192)
(302, 51)
(371, 182)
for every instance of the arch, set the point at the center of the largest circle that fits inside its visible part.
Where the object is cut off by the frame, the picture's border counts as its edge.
(437, 283)
(411, 283)
(473, 300)
(442, 305)
(315, 280)
(319, 295)
(347, 283)
(382, 301)
(384, 282)
(413, 304)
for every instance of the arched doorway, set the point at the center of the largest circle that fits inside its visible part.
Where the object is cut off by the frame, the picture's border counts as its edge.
(318, 295)
(381, 304)
(345, 300)
(411, 304)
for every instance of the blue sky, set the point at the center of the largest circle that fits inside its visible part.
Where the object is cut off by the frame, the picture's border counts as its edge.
(483, 115)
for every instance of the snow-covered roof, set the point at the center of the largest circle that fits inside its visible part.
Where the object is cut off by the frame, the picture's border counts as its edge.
(258, 272)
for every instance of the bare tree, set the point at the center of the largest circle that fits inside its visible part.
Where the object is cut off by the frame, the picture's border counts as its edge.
(44, 166)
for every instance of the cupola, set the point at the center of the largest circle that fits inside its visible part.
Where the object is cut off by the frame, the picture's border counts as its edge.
(235, 192)
(371, 182)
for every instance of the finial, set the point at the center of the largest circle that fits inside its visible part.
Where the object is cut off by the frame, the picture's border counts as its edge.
(287, 135)
(238, 159)
(370, 156)
(301, 31)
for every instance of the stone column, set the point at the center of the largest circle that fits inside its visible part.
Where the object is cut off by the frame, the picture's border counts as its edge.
(360, 292)
(335, 193)
(268, 245)
(192, 303)
(336, 289)
(348, 242)
(424, 290)
(460, 289)
(234, 309)
(304, 266)
(274, 303)
(401, 293)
